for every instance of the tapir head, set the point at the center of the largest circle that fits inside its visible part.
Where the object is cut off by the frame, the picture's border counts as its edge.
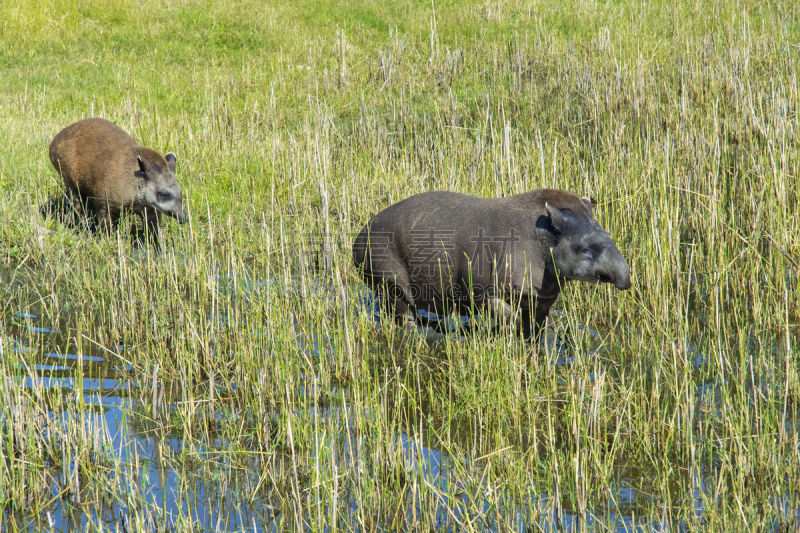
(159, 188)
(584, 251)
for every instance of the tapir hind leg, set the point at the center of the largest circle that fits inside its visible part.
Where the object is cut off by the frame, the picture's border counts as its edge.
(396, 297)
(500, 312)
(404, 314)
(80, 211)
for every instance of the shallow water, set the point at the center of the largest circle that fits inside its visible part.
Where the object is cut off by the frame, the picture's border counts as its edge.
(102, 382)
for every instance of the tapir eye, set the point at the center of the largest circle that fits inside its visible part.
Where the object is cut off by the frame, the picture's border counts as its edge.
(162, 196)
(587, 253)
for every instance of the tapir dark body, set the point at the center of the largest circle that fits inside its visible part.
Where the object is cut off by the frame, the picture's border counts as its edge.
(448, 252)
(105, 170)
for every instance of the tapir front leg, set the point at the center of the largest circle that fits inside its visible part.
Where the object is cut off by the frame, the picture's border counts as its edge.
(536, 308)
(107, 217)
(152, 222)
(148, 233)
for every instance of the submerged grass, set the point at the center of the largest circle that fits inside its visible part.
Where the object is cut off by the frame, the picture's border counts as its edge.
(254, 387)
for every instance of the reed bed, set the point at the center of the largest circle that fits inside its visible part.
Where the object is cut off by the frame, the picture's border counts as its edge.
(238, 380)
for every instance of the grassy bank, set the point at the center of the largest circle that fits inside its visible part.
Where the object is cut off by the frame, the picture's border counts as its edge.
(249, 371)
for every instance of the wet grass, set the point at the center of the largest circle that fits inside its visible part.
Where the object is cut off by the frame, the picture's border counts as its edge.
(235, 382)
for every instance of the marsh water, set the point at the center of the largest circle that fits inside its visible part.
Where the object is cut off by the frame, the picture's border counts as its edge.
(97, 380)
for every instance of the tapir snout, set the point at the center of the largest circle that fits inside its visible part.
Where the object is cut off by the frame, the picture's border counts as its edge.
(618, 272)
(623, 283)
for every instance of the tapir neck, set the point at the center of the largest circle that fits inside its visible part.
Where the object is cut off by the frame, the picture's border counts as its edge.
(551, 281)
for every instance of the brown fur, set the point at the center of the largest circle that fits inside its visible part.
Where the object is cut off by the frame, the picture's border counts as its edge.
(98, 162)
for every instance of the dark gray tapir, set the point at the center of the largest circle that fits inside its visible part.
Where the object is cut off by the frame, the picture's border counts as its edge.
(448, 252)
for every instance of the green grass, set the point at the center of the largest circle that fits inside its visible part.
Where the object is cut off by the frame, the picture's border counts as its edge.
(293, 124)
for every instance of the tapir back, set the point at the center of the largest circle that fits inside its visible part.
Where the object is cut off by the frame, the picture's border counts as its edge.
(96, 159)
(449, 246)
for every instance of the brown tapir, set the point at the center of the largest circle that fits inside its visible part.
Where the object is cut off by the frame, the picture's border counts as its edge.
(445, 251)
(104, 168)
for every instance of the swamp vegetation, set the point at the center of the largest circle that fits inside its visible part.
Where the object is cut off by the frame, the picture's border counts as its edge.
(241, 380)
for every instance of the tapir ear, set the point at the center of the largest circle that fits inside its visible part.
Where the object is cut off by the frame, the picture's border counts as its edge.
(557, 218)
(142, 167)
(171, 158)
(588, 202)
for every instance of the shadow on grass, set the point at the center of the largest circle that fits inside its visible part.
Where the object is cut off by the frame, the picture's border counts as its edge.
(78, 216)
(81, 217)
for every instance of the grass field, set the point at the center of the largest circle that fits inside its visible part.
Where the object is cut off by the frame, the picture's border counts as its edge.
(233, 382)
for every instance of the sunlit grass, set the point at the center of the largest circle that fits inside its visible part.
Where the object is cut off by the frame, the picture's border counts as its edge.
(293, 124)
